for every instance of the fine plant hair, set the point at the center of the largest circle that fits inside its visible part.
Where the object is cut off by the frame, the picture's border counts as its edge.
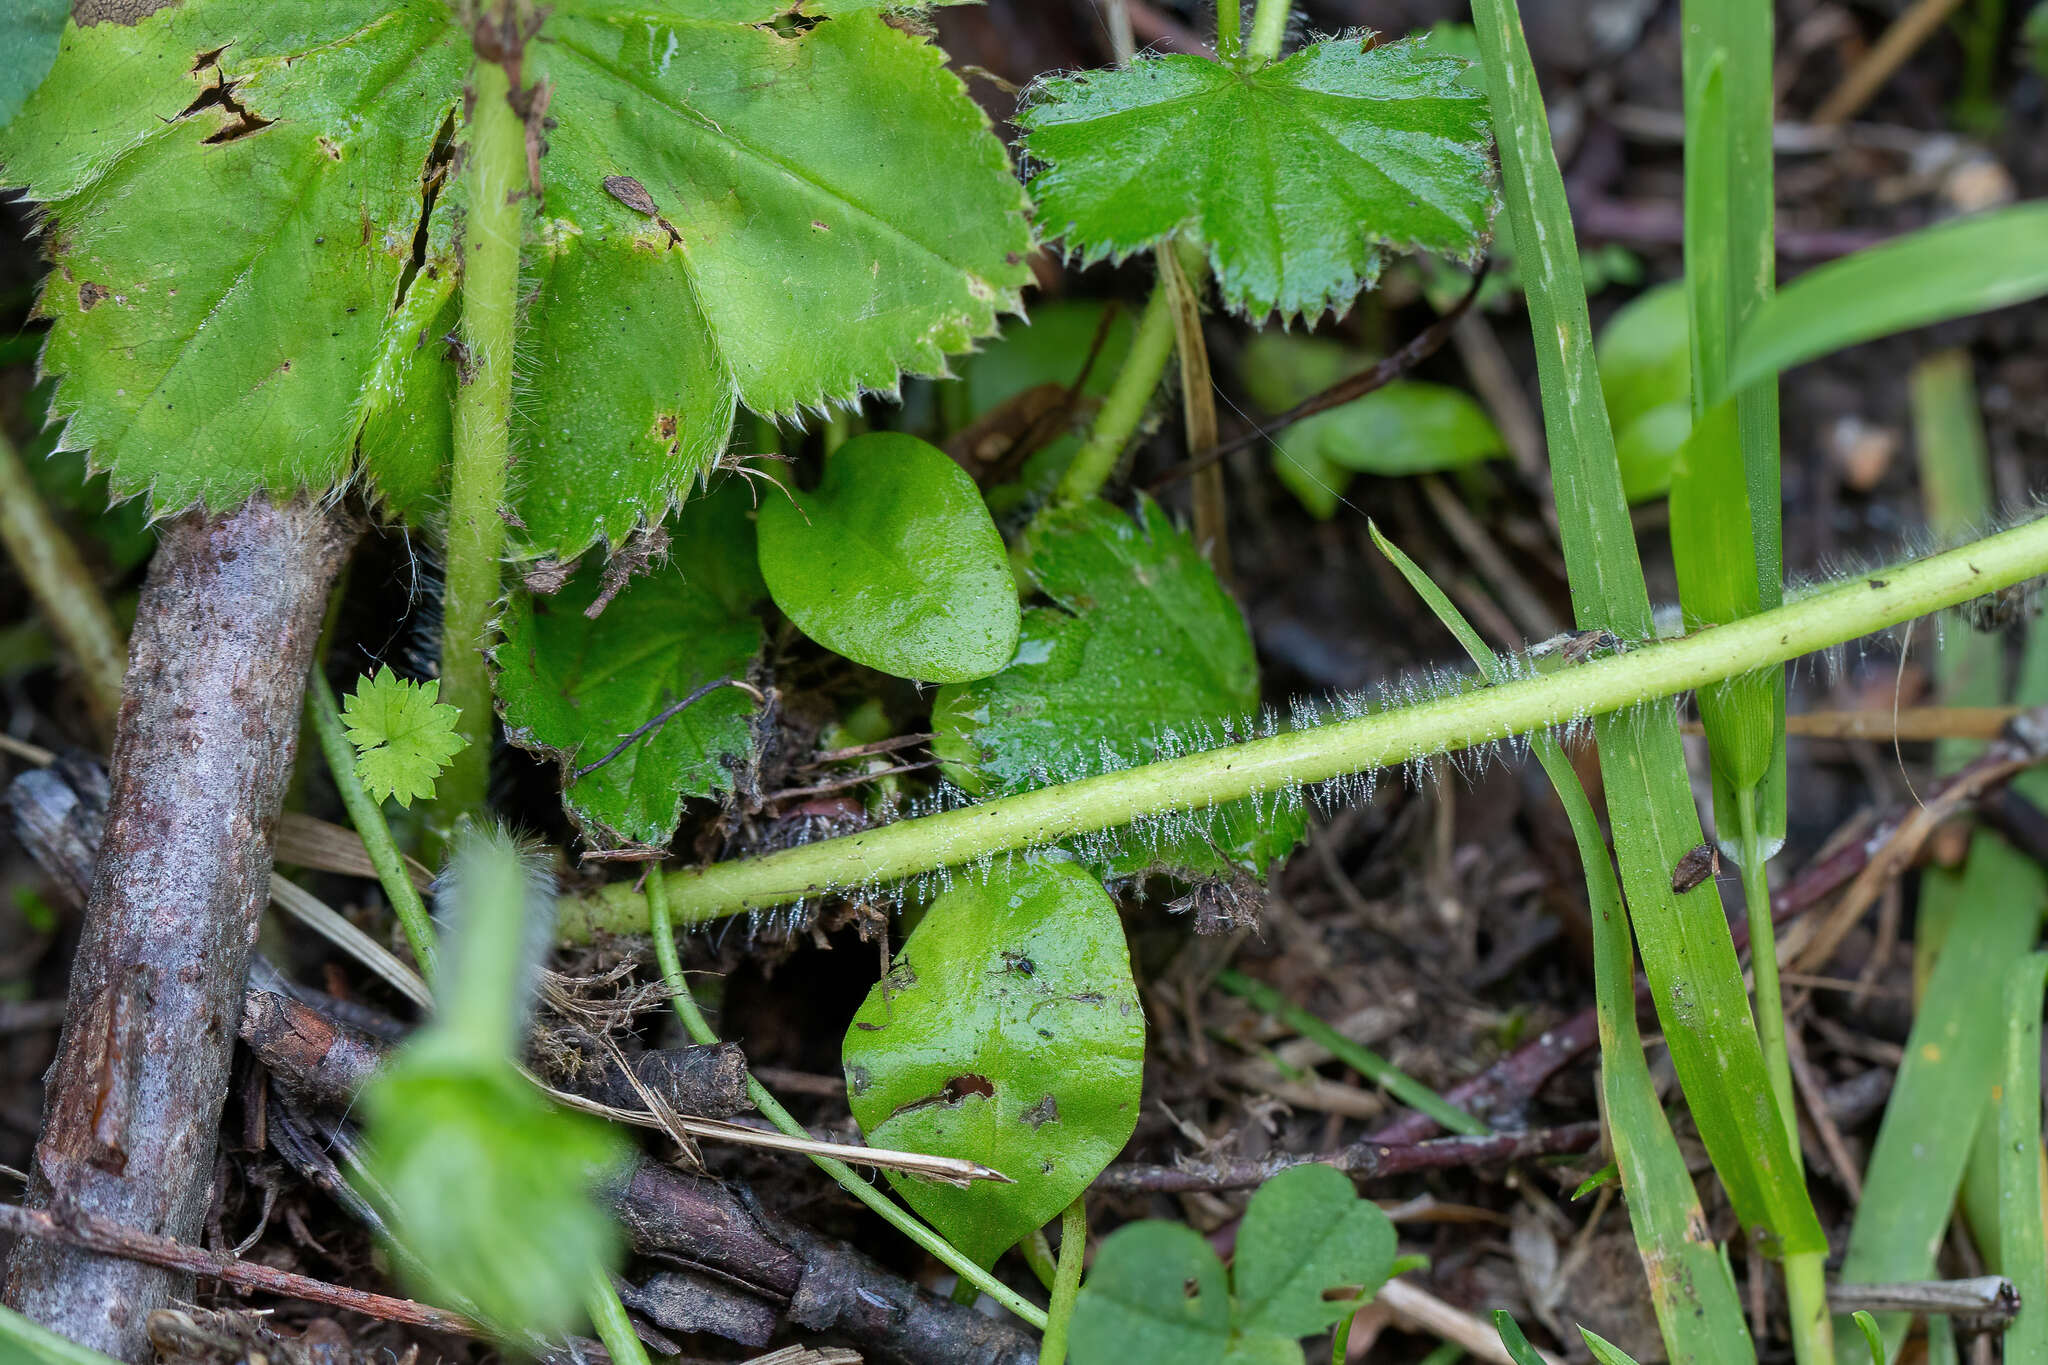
(491, 863)
(1151, 837)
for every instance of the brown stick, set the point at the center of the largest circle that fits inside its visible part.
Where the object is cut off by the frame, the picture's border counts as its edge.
(1363, 1160)
(207, 734)
(105, 1238)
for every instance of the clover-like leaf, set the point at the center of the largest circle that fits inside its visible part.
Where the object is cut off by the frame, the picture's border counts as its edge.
(729, 213)
(573, 686)
(1008, 1031)
(1155, 1295)
(1307, 1232)
(403, 734)
(1141, 654)
(893, 562)
(1375, 149)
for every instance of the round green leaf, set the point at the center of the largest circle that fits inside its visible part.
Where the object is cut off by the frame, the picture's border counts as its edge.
(1008, 1031)
(1407, 427)
(1378, 149)
(1155, 1294)
(1307, 1231)
(1648, 449)
(893, 562)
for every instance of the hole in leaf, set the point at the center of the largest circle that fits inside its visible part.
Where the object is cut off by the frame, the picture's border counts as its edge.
(222, 97)
(960, 1087)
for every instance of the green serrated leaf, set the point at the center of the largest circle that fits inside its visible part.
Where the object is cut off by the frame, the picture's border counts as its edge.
(1379, 149)
(1008, 1031)
(1156, 1293)
(571, 687)
(1307, 1231)
(1142, 650)
(893, 562)
(403, 734)
(730, 214)
(1408, 427)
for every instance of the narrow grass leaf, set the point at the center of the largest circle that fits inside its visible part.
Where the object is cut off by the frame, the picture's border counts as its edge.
(2023, 1256)
(1691, 1290)
(1687, 951)
(1947, 271)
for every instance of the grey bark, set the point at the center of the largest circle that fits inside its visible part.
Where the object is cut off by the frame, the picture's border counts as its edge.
(207, 734)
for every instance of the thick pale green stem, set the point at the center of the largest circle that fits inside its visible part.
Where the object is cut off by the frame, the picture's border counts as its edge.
(1128, 398)
(64, 593)
(895, 1214)
(1066, 1285)
(368, 818)
(1851, 609)
(495, 167)
(1269, 26)
(1763, 954)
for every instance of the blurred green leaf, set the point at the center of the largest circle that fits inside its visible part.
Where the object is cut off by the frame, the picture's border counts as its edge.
(572, 687)
(488, 1186)
(1048, 348)
(38, 1345)
(1646, 374)
(1607, 1353)
(893, 562)
(1872, 1338)
(403, 735)
(1141, 651)
(1156, 1295)
(1007, 1031)
(1511, 1337)
(28, 45)
(1381, 149)
(1408, 427)
(1968, 265)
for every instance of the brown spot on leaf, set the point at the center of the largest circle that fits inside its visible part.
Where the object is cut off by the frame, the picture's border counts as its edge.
(1038, 1115)
(89, 295)
(127, 13)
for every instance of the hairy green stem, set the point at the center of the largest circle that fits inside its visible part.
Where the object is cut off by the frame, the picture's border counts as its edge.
(1269, 26)
(368, 818)
(1852, 608)
(1129, 396)
(495, 165)
(65, 594)
(1363, 1060)
(608, 1316)
(701, 1032)
(1066, 1285)
(1229, 29)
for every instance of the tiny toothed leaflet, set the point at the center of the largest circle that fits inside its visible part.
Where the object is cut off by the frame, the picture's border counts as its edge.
(729, 214)
(1380, 149)
(402, 733)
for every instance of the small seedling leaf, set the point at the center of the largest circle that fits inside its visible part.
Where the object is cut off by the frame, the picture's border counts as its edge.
(1008, 1032)
(573, 687)
(1305, 1233)
(1141, 642)
(1607, 1353)
(1155, 1294)
(1872, 1338)
(1511, 1337)
(1408, 427)
(894, 563)
(1381, 149)
(403, 735)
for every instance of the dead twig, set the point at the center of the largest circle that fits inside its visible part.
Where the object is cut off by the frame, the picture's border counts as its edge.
(1362, 1160)
(105, 1237)
(627, 740)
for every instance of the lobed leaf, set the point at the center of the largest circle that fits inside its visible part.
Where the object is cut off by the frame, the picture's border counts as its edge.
(1380, 149)
(729, 214)
(403, 735)
(572, 686)
(1008, 1032)
(893, 562)
(1306, 1231)
(1140, 651)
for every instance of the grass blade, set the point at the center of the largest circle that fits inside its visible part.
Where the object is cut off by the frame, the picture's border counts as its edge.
(1950, 270)
(1698, 1310)
(2024, 1257)
(1686, 948)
